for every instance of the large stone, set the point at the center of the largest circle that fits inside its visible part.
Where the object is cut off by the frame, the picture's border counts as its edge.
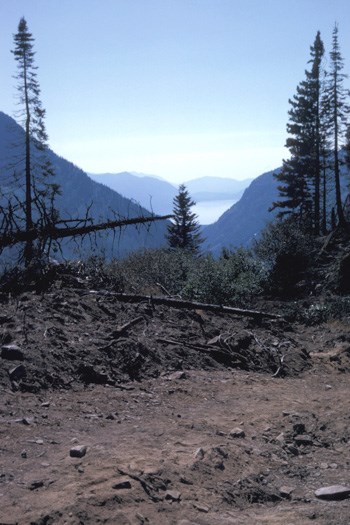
(122, 484)
(303, 439)
(17, 373)
(199, 453)
(12, 352)
(78, 452)
(333, 492)
(286, 492)
(173, 495)
(237, 433)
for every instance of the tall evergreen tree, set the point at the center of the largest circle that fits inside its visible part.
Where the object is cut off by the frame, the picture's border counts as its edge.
(314, 79)
(184, 231)
(300, 177)
(39, 194)
(337, 110)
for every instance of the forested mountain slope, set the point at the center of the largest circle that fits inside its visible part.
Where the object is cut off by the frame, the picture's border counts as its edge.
(79, 192)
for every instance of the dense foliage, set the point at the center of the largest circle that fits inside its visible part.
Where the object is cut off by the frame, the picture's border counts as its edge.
(310, 189)
(233, 278)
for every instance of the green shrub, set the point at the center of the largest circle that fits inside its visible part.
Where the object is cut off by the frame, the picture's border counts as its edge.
(234, 278)
(286, 251)
(154, 271)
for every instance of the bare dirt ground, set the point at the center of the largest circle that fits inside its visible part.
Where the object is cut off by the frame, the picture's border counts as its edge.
(188, 417)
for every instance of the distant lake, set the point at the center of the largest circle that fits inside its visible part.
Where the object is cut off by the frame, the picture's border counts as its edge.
(209, 211)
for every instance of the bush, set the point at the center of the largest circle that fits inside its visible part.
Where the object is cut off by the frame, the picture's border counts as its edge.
(316, 313)
(286, 251)
(154, 271)
(235, 278)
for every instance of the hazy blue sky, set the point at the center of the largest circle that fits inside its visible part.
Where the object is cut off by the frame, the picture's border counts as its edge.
(176, 88)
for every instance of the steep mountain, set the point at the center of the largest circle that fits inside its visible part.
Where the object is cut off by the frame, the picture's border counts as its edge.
(78, 193)
(150, 192)
(244, 221)
(239, 225)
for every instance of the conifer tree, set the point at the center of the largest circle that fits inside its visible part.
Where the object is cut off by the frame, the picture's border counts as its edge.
(337, 110)
(300, 177)
(184, 231)
(39, 193)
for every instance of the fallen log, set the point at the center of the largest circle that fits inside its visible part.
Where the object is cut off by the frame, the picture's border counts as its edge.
(53, 232)
(190, 305)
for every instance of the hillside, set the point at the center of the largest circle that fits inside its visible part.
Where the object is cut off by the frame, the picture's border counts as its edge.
(244, 220)
(152, 193)
(123, 412)
(78, 193)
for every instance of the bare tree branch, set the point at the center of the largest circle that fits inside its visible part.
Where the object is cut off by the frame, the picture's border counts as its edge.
(52, 232)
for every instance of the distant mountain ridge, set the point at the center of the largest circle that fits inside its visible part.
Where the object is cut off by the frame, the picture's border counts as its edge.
(216, 188)
(156, 194)
(150, 192)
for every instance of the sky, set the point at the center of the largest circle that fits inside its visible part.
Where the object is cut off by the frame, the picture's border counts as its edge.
(175, 88)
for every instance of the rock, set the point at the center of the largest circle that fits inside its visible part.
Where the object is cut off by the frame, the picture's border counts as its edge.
(201, 508)
(78, 452)
(292, 450)
(299, 428)
(25, 420)
(199, 454)
(45, 404)
(12, 352)
(173, 495)
(178, 375)
(186, 481)
(90, 374)
(237, 433)
(24, 454)
(280, 438)
(286, 492)
(120, 485)
(37, 484)
(17, 373)
(333, 492)
(303, 439)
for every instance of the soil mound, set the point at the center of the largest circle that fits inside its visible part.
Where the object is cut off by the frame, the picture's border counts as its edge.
(68, 329)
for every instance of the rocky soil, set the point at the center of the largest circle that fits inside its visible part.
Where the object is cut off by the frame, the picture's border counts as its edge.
(122, 413)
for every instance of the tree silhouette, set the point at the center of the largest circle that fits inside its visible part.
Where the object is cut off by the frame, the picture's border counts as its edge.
(337, 110)
(184, 230)
(34, 167)
(300, 177)
(27, 212)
